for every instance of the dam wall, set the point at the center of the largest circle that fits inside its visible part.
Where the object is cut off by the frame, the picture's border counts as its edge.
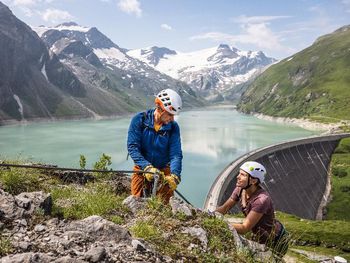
(297, 175)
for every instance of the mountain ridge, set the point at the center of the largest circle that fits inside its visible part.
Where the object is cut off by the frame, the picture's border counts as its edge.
(214, 72)
(60, 76)
(312, 83)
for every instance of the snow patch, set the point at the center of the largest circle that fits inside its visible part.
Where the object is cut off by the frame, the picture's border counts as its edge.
(40, 30)
(43, 71)
(20, 106)
(289, 59)
(110, 55)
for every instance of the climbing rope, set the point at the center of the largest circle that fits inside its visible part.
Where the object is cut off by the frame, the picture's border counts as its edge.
(55, 168)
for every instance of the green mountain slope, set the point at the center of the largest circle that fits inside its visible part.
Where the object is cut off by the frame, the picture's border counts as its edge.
(314, 82)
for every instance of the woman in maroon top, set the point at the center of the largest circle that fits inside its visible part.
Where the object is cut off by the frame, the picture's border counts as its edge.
(257, 206)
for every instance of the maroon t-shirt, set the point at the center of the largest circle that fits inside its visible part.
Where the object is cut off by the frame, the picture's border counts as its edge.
(259, 202)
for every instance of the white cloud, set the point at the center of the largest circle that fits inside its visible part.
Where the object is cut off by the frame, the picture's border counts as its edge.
(166, 27)
(55, 15)
(24, 2)
(256, 19)
(255, 31)
(130, 7)
(259, 35)
(26, 11)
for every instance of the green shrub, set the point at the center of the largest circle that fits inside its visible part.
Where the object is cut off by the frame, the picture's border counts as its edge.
(102, 164)
(340, 167)
(82, 161)
(16, 181)
(5, 246)
(344, 146)
(327, 233)
(117, 219)
(345, 188)
(219, 235)
(145, 230)
(339, 171)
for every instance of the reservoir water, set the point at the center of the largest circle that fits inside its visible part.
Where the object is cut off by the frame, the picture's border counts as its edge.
(211, 139)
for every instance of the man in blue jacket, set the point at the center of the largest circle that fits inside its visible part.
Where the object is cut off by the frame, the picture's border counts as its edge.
(154, 144)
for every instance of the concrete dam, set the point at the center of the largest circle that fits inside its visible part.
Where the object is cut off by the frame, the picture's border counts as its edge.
(297, 175)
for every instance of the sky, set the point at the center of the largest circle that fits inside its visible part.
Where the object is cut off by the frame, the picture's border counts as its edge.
(278, 28)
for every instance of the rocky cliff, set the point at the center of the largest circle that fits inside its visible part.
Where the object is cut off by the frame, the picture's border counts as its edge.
(86, 218)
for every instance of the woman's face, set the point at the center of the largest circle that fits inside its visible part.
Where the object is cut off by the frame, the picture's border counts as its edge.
(242, 179)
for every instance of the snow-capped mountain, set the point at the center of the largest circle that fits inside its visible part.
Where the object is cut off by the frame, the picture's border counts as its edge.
(80, 48)
(213, 71)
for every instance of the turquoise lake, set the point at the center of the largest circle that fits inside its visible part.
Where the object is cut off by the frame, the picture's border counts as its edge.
(211, 139)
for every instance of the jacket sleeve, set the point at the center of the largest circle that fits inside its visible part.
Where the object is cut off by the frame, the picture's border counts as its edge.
(175, 152)
(134, 141)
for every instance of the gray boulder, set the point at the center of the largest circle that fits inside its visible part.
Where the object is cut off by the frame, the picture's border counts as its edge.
(98, 229)
(33, 201)
(178, 206)
(199, 233)
(9, 210)
(134, 203)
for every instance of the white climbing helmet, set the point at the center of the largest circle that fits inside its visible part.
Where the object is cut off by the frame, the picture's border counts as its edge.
(169, 100)
(256, 170)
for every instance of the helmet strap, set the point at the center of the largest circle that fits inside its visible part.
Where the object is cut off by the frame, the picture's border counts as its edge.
(249, 184)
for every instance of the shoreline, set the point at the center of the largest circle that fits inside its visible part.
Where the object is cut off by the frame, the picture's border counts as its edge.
(12, 122)
(325, 128)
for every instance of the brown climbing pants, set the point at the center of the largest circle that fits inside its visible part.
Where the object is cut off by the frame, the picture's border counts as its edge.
(138, 182)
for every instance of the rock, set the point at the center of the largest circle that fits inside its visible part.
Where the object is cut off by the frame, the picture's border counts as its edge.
(95, 254)
(29, 257)
(134, 203)
(24, 245)
(23, 222)
(178, 206)
(312, 255)
(68, 259)
(197, 232)
(98, 229)
(39, 228)
(137, 245)
(33, 201)
(9, 209)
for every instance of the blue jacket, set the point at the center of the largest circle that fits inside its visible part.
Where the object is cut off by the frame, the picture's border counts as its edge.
(146, 146)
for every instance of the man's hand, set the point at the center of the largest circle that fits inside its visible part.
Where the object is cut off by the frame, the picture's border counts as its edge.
(150, 170)
(172, 180)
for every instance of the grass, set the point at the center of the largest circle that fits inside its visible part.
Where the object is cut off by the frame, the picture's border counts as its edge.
(220, 236)
(337, 209)
(17, 180)
(314, 83)
(159, 226)
(74, 202)
(331, 252)
(164, 230)
(5, 246)
(331, 234)
(299, 257)
(146, 230)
